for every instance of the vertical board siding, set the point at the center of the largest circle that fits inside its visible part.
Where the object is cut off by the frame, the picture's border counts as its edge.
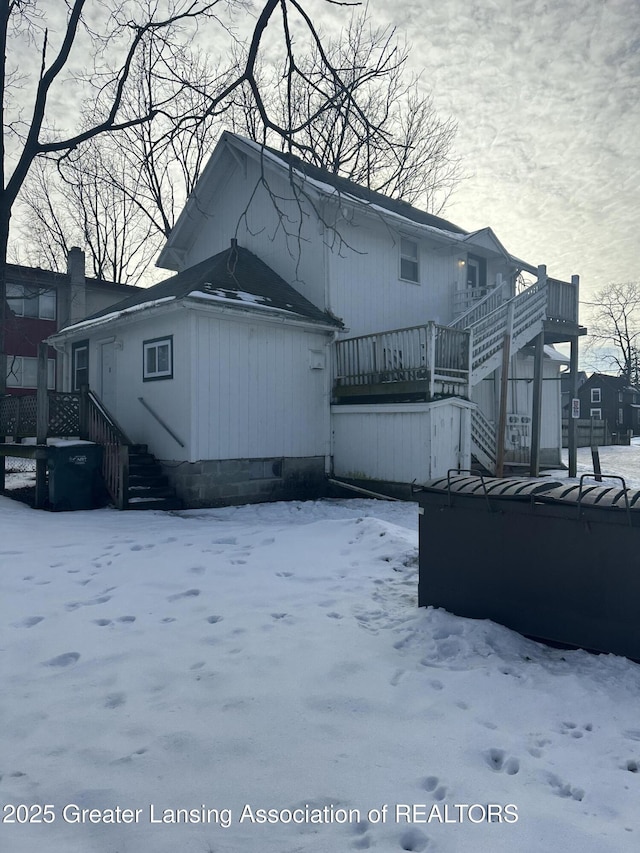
(243, 208)
(367, 292)
(258, 397)
(397, 443)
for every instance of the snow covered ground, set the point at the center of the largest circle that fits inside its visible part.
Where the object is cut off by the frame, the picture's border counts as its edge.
(273, 657)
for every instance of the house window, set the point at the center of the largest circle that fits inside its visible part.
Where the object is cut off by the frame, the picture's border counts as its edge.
(595, 395)
(619, 396)
(22, 372)
(80, 365)
(409, 260)
(596, 414)
(157, 358)
(27, 301)
(620, 416)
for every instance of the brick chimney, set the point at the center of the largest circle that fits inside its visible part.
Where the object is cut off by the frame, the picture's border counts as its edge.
(77, 285)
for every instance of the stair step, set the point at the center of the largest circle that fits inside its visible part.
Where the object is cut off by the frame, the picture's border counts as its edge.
(144, 490)
(138, 448)
(147, 478)
(163, 503)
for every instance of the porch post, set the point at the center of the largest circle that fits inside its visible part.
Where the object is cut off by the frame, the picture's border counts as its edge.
(572, 431)
(42, 422)
(536, 413)
(504, 391)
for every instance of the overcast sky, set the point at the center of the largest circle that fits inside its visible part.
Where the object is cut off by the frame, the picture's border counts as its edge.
(546, 96)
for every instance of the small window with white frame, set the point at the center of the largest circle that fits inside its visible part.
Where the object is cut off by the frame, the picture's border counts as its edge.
(157, 355)
(596, 396)
(596, 414)
(409, 266)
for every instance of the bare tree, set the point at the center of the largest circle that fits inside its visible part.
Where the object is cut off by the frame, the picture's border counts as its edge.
(86, 199)
(614, 328)
(404, 151)
(92, 49)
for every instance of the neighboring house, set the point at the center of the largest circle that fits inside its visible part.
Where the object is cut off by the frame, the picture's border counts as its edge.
(40, 302)
(316, 327)
(611, 399)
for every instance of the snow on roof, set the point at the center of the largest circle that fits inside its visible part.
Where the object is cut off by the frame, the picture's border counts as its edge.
(113, 315)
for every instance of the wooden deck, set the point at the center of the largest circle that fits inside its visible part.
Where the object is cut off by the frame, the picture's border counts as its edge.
(419, 362)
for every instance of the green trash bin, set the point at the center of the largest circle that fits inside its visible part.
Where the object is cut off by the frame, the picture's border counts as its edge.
(74, 476)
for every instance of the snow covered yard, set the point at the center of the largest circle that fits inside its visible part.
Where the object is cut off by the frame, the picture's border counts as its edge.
(273, 657)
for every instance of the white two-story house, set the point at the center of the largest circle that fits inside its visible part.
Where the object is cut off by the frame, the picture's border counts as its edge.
(317, 328)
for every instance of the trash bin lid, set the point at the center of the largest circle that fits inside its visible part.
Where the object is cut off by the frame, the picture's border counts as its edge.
(604, 496)
(495, 487)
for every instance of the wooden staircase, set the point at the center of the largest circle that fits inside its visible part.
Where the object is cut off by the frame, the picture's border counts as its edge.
(148, 487)
(133, 476)
(519, 319)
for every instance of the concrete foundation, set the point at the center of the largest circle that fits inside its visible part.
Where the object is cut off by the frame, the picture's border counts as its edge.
(229, 482)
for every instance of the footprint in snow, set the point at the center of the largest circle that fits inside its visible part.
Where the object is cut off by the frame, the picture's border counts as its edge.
(284, 574)
(213, 620)
(413, 839)
(126, 619)
(114, 700)
(564, 789)
(102, 622)
(29, 622)
(189, 593)
(433, 786)
(141, 547)
(498, 761)
(63, 660)
(334, 615)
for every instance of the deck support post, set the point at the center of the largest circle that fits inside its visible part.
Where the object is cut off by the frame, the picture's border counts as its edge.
(42, 422)
(536, 413)
(504, 392)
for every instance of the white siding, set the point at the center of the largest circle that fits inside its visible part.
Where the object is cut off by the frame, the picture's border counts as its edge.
(258, 396)
(243, 208)
(367, 291)
(400, 442)
(170, 398)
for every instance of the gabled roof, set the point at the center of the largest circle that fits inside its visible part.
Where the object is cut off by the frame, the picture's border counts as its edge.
(325, 183)
(235, 278)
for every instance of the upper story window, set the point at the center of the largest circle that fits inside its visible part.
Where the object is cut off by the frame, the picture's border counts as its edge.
(22, 372)
(409, 270)
(596, 414)
(29, 301)
(157, 358)
(596, 396)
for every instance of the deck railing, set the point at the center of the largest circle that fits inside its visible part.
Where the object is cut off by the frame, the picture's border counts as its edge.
(562, 300)
(74, 414)
(18, 415)
(430, 354)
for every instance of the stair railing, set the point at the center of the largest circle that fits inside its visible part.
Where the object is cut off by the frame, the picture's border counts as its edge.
(483, 440)
(97, 425)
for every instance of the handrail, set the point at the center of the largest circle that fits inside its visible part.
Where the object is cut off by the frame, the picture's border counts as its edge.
(99, 426)
(160, 421)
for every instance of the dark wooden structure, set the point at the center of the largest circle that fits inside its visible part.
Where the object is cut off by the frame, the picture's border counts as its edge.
(578, 585)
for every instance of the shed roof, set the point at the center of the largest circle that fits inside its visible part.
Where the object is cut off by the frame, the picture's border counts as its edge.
(235, 277)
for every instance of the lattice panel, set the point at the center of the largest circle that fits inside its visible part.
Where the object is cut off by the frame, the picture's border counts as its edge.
(27, 416)
(64, 414)
(8, 415)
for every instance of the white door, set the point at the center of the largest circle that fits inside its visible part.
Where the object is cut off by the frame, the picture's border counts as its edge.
(108, 376)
